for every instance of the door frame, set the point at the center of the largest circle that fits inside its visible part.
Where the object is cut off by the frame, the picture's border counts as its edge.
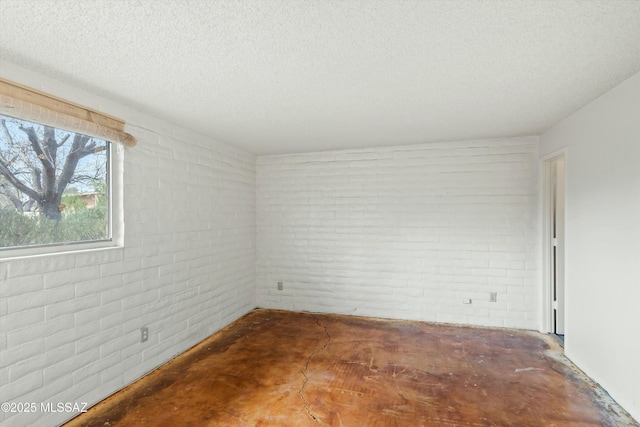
(547, 322)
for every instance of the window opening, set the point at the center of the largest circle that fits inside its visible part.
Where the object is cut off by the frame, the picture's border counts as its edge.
(54, 185)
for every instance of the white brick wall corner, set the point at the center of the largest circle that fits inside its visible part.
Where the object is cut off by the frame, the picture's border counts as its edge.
(69, 324)
(400, 232)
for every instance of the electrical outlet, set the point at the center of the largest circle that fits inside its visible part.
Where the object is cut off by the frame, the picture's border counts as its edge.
(493, 296)
(466, 301)
(280, 286)
(144, 334)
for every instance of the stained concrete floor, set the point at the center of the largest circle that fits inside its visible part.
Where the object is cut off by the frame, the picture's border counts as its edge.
(299, 369)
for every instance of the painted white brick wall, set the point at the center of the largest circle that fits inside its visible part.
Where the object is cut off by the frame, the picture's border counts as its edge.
(69, 324)
(403, 232)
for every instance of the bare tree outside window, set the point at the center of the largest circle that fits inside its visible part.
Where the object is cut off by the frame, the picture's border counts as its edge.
(53, 185)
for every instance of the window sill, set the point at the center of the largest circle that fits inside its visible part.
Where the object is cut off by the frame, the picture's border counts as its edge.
(55, 250)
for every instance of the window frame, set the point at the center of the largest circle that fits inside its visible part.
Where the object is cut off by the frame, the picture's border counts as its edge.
(115, 215)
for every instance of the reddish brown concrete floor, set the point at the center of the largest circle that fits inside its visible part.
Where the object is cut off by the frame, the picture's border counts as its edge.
(296, 369)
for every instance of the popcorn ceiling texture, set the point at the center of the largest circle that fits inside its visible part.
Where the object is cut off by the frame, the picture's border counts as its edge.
(283, 77)
(294, 76)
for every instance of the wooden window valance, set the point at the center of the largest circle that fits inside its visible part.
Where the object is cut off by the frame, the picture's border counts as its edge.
(29, 104)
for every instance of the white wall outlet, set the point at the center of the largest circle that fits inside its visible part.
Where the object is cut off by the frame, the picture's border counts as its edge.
(280, 286)
(466, 301)
(144, 334)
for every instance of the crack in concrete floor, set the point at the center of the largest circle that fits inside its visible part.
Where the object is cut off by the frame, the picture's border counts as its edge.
(306, 368)
(423, 374)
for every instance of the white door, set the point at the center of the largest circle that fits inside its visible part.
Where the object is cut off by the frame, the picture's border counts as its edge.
(556, 251)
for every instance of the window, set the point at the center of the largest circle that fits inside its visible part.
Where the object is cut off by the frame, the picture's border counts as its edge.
(58, 173)
(54, 185)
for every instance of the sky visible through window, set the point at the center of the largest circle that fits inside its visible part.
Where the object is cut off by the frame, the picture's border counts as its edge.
(53, 185)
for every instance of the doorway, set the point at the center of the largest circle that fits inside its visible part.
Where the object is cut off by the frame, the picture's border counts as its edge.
(555, 243)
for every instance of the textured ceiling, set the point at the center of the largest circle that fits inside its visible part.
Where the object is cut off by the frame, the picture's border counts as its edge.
(293, 76)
